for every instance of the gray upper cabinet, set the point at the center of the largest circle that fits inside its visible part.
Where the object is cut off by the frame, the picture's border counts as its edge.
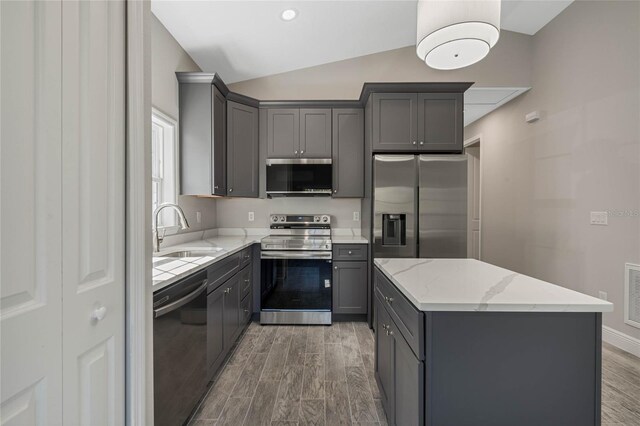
(283, 132)
(242, 150)
(315, 133)
(298, 133)
(440, 122)
(418, 122)
(348, 152)
(202, 139)
(394, 121)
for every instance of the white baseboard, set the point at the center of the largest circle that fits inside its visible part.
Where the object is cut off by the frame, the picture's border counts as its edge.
(620, 340)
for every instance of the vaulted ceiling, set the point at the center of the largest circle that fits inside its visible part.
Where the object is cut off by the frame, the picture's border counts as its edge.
(242, 40)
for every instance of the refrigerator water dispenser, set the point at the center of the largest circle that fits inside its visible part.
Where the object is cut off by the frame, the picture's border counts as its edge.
(394, 229)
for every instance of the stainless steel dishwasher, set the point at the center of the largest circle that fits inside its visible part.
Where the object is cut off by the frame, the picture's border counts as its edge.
(179, 349)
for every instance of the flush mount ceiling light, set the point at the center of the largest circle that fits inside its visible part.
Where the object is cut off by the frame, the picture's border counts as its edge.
(456, 33)
(288, 15)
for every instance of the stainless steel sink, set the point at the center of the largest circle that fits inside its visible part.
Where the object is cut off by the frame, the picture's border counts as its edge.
(192, 253)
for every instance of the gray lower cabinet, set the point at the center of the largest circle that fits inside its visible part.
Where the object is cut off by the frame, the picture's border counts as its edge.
(399, 374)
(202, 137)
(242, 150)
(215, 328)
(349, 287)
(229, 308)
(348, 152)
(416, 122)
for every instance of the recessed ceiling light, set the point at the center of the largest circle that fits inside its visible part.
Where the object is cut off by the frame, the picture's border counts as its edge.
(289, 14)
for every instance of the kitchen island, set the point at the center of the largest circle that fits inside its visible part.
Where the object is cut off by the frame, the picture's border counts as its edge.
(463, 342)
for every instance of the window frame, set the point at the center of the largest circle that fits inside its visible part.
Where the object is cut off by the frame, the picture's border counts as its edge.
(170, 129)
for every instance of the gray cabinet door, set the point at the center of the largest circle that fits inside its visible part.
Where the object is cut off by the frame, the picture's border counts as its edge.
(440, 122)
(242, 150)
(349, 287)
(219, 149)
(384, 359)
(283, 132)
(348, 152)
(394, 124)
(408, 388)
(195, 138)
(315, 133)
(215, 331)
(231, 315)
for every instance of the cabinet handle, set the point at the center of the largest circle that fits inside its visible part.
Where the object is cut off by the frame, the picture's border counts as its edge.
(230, 189)
(414, 142)
(350, 252)
(301, 151)
(215, 186)
(389, 332)
(227, 290)
(421, 142)
(246, 281)
(246, 311)
(335, 191)
(247, 257)
(390, 299)
(335, 267)
(295, 152)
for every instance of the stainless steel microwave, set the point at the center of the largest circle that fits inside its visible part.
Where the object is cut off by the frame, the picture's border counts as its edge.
(299, 177)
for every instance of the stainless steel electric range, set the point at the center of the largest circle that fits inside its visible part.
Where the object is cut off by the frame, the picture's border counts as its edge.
(296, 270)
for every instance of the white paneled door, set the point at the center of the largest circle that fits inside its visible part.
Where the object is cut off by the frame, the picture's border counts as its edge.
(473, 202)
(62, 212)
(30, 213)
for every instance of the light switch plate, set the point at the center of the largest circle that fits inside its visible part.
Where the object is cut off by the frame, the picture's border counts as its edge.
(252, 216)
(602, 295)
(599, 218)
(198, 217)
(356, 216)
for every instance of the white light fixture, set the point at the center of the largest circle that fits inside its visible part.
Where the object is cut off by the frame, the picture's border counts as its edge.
(289, 15)
(456, 33)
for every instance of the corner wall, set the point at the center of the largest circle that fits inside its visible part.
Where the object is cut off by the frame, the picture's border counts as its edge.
(167, 57)
(540, 181)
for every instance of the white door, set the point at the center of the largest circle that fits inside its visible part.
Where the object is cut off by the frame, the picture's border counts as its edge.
(473, 202)
(30, 213)
(62, 212)
(93, 193)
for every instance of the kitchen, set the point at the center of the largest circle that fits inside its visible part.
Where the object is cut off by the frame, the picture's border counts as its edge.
(323, 223)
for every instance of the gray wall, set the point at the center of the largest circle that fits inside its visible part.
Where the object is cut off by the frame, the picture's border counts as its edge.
(233, 213)
(508, 64)
(167, 57)
(540, 181)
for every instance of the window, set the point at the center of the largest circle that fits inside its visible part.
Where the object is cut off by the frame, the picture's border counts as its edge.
(164, 166)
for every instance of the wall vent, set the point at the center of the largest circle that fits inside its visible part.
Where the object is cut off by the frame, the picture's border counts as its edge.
(632, 295)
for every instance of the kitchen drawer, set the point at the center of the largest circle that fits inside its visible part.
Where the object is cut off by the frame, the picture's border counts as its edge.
(245, 309)
(246, 255)
(350, 252)
(245, 281)
(407, 318)
(222, 270)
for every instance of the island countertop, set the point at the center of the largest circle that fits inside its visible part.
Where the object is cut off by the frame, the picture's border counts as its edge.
(472, 285)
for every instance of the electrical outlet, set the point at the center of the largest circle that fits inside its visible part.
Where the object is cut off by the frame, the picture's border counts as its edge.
(602, 295)
(599, 218)
(198, 217)
(356, 216)
(252, 217)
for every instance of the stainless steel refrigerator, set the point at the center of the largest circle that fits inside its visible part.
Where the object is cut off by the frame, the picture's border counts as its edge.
(420, 206)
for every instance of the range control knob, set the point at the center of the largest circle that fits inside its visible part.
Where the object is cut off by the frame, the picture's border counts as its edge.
(316, 218)
(325, 219)
(282, 218)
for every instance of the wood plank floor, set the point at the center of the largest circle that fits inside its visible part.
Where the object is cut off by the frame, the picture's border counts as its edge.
(317, 375)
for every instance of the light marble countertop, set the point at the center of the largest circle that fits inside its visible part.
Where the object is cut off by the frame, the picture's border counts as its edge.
(168, 270)
(348, 239)
(472, 285)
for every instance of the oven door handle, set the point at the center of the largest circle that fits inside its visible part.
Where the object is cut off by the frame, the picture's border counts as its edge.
(291, 254)
(180, 302)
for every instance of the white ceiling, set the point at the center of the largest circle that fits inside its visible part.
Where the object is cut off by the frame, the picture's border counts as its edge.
(241, 39)
(480, 101)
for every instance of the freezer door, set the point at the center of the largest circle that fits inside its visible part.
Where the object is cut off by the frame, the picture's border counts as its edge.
(442, 202)
(394, 206)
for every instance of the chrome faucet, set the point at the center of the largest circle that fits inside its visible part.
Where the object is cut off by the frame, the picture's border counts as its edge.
(183, 222)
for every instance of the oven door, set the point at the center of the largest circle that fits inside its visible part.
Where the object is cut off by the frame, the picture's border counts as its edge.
(296, 281)
(299, 177)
